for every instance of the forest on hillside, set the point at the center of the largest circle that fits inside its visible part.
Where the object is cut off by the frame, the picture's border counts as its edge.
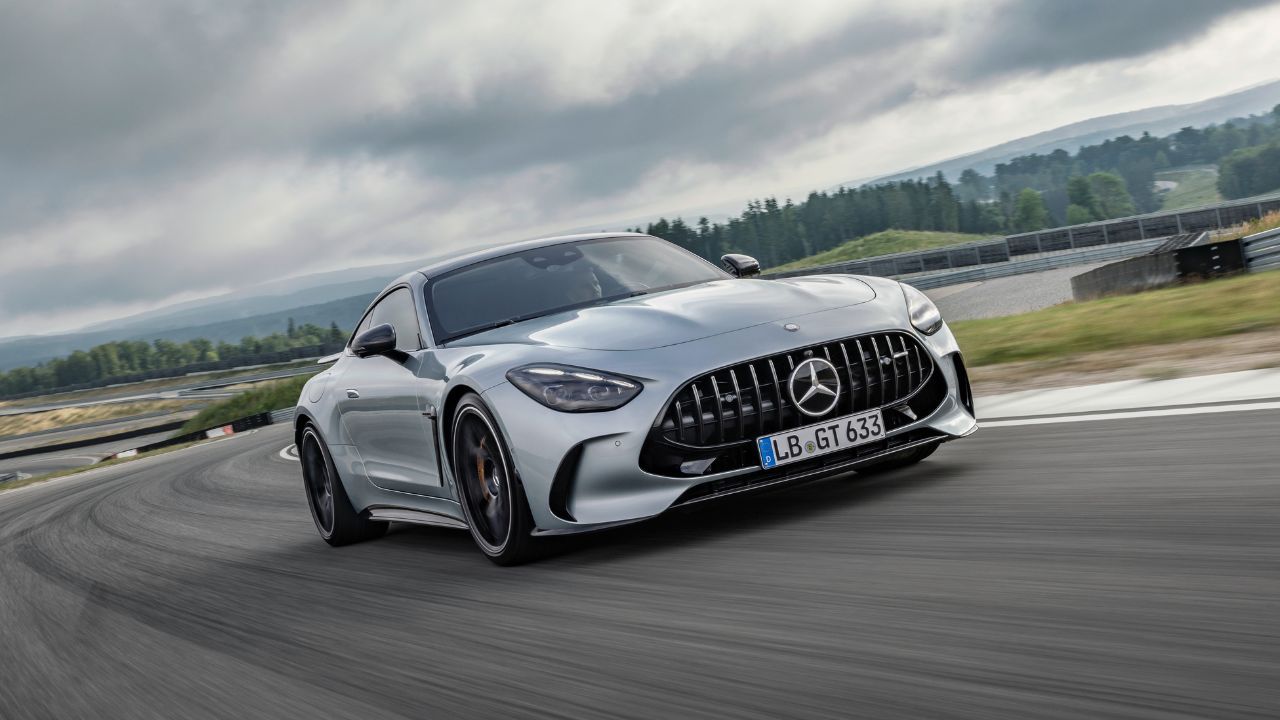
(1030, 192)
(135, 357)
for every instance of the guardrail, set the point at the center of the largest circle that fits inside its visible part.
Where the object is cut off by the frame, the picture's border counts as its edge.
(987, 272)
(1262, 250)
(1118, 231)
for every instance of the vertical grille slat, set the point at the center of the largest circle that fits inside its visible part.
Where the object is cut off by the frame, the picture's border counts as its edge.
(826, 353)
(893, 363)
(875, 359)
(866, 376)
(911, 368)
(851, 394)
(757, 399)
(715, 393)
(741, 428)
(727, 423)
(697, 412)
(777, 395)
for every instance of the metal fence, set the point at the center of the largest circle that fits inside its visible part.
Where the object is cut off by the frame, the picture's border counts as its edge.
(1018, 267)
(1262, 250)
(1120, 231)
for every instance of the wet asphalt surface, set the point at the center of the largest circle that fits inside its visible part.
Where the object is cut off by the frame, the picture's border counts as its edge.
(1102, 569)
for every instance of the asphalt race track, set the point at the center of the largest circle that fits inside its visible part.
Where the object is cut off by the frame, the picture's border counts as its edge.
(1126, 568)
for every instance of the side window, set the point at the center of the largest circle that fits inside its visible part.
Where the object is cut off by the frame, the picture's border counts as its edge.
(397, 310)
(364, 325)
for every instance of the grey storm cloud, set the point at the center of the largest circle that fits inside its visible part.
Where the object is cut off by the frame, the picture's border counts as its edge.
(1041, 35)
(727, 112)
(115, 103)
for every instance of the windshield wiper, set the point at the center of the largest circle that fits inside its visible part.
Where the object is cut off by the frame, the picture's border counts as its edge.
(611, 298)
(494, 326)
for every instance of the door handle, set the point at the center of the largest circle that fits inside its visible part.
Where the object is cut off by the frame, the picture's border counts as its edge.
(353, 393)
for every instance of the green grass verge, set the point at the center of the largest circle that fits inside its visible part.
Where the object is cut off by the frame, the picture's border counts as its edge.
(264, 397)
(882, 243)
(1189, 312)
(1196, 186)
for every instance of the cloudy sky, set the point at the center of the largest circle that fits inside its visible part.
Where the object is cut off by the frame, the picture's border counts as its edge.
(163, 151)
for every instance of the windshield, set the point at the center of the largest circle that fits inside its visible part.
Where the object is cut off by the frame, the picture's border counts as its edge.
(547, 280)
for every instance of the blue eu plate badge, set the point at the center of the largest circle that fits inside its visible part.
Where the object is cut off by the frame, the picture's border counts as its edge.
(767, 460)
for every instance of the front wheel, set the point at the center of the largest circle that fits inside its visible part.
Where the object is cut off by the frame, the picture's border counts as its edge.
(492, 499)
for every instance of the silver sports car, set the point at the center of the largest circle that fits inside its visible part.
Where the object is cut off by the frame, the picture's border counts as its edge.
(578, 383)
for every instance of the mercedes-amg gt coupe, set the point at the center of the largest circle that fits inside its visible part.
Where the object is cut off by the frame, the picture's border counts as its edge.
(577, 383)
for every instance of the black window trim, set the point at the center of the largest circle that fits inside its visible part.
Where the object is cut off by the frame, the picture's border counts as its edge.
(386, 292)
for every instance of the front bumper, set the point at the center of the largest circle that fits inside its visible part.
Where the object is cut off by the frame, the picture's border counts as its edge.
(582, 472)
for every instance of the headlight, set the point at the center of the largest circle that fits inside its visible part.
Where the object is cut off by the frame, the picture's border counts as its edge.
(924, 314)
(572, 389)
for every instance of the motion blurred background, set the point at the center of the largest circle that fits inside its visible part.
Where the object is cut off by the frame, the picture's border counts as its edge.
(199, 199)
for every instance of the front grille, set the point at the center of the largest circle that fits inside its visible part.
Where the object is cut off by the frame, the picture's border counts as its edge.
(750, 399)
(717, 416)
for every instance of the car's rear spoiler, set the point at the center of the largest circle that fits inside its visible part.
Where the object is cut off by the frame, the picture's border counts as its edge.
(329, 358)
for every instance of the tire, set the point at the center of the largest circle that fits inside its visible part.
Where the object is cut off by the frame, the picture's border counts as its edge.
(899, 460)
(492, 498)
(336, 521)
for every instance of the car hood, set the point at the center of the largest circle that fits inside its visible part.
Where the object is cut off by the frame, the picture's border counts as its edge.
(683, 315)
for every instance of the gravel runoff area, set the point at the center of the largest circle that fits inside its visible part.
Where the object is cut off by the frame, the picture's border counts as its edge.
(1007, 295)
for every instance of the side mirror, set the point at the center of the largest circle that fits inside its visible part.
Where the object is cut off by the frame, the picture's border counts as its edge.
(377, 340)
(741, 266)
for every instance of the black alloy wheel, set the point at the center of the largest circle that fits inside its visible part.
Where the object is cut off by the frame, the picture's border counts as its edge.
(336, 520)
(315, 471)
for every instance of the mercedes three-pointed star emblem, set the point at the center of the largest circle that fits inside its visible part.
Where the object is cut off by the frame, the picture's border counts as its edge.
(815, 387)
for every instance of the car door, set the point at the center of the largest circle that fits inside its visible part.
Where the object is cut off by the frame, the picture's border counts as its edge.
(382, 406)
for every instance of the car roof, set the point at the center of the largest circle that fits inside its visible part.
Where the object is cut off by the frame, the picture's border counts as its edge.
(457, 261)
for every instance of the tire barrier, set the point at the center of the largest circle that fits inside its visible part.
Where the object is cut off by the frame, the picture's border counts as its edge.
(238, 425)
(86, 442)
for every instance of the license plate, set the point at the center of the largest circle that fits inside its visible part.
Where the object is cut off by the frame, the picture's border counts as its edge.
(826, 437)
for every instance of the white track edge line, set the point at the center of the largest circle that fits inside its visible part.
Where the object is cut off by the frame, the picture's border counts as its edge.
(1133, 414)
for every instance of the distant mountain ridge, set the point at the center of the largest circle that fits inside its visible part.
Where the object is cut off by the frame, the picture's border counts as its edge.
(30, 350)
(1161, 120)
